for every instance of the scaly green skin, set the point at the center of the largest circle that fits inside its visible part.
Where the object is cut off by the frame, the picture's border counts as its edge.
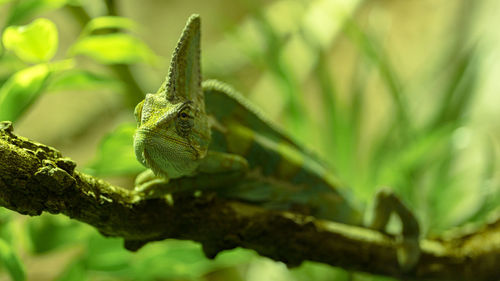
(289, 176)
(209, 131)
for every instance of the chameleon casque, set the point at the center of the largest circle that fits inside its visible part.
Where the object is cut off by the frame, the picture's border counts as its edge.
(210, 136)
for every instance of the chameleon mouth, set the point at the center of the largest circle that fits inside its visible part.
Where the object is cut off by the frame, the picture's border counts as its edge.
(164, 154)
(145, 133)
(139, 148)
(162, 139)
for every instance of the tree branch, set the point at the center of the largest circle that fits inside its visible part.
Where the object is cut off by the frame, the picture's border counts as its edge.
(35, 178)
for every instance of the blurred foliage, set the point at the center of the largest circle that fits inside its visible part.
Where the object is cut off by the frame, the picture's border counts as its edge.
(21, 89)
(11, 261)
(116, 156)
(113, 48)
(35, 42)
(324, 69)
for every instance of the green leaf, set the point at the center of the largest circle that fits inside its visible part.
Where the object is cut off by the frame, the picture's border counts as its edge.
(181, 260)
(6, 225)
(116, 154)
(371, 48)
(457, 98)
(35, 42)
(27, 8)
(107, 254)
(319, 272)
(109, 22)
(11, 262)
(48, 232)
(22, 88)
(81, 80)
(74, 272)
(116, 48)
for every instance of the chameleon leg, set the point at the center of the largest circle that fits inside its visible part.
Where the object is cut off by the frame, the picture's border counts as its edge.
(146, 182)
(216, 169)
(408, 250)
(220, 162)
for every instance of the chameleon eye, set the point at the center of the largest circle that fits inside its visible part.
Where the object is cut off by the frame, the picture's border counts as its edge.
(184, 123)
(138, 111)
(184, 112)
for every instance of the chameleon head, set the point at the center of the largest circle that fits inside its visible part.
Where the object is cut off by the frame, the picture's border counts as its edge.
(173, 132)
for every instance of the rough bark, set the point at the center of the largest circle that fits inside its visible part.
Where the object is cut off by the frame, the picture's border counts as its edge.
(35, 178)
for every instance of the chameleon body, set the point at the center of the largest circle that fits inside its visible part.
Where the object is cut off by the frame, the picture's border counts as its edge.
(289, 176)
(189, 128)
(209, 136)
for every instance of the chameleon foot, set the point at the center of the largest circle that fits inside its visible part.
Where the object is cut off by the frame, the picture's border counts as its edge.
(408, 249)
(150, 185)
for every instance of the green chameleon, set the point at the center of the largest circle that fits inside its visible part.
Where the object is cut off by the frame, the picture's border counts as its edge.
(195, 135)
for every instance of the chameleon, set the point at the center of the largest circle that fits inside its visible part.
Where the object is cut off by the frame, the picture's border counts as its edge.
(207, 134)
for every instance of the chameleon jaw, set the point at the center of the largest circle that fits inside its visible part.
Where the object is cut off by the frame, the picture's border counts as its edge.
(166, 156)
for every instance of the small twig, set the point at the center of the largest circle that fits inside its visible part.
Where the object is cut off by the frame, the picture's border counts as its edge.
(35, 178)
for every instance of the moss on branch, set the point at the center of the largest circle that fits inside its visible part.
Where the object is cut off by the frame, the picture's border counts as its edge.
(35, 178)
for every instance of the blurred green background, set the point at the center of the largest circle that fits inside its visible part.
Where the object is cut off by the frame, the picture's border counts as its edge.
(389, 92)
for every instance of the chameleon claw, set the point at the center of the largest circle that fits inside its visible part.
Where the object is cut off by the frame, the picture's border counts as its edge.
(408, 247)
(408, 252)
